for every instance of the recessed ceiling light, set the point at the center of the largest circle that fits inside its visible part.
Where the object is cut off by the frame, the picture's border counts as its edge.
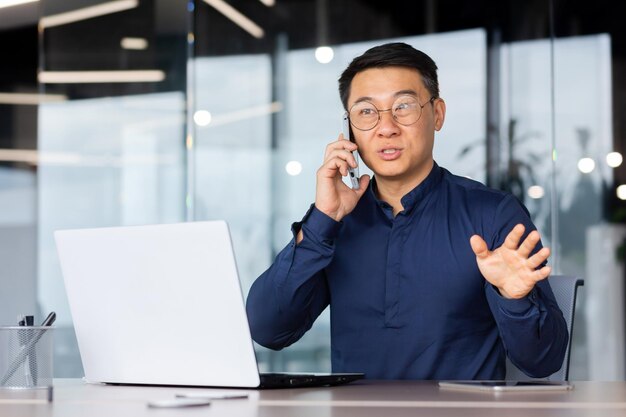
(134, 43)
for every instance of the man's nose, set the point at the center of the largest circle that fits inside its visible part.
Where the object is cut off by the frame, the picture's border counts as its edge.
(387, 125)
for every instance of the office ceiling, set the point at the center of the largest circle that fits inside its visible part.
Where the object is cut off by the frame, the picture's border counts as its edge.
(95, 43)
(19, 16)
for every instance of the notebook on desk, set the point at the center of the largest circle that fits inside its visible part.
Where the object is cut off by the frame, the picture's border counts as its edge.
(162, 305)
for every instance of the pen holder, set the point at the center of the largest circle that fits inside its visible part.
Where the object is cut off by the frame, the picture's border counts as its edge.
(26, 358)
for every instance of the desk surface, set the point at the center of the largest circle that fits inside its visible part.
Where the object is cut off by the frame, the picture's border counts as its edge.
(362, 399)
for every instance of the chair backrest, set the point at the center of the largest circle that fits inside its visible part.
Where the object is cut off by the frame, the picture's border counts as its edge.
(564, 288)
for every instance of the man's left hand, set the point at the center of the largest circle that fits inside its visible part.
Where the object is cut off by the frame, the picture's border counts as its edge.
(510, 267)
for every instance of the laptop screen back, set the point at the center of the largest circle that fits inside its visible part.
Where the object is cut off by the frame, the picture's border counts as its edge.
(158, 304)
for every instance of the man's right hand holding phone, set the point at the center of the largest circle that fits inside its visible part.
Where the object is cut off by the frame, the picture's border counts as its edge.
(332, 196)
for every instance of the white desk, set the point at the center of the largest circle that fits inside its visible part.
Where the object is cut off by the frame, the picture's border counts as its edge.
(73, 398)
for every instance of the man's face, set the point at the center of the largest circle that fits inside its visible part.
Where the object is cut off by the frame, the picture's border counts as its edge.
(394, 151)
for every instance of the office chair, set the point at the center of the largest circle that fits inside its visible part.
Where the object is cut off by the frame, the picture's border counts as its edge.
(564, 288)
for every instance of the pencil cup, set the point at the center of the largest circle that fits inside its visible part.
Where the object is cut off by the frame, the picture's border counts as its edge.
(26, 358)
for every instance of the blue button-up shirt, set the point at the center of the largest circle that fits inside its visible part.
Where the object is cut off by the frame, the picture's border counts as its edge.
(407, 299)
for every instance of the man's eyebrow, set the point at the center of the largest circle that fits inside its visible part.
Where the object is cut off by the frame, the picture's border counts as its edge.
(406, 92)
(360, 99)
(396, 94)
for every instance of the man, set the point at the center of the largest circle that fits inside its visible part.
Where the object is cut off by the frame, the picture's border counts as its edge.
(428, 275)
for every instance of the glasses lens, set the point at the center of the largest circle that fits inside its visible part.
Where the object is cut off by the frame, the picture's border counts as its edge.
(363, 115)
(406, 110)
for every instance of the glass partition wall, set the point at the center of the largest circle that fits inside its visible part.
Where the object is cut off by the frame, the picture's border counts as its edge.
(211, 109)
(113, 151)
(18, 175)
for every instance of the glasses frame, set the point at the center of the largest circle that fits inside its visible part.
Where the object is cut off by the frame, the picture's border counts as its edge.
(379, 111)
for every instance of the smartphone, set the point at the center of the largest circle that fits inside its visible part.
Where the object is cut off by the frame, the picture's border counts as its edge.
(206, 396)
(347, 134)
(501, 386)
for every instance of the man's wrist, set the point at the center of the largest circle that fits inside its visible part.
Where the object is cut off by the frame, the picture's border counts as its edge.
(317, 223)
(514, 305)
(504, 294)
(507, 296)
(335, 215)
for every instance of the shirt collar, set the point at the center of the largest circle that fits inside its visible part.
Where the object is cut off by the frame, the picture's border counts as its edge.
(417, 194)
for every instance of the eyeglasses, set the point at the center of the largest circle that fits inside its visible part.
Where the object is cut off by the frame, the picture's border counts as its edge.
(406, 110)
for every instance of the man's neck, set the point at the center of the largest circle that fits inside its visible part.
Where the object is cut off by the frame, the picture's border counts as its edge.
(391, 190)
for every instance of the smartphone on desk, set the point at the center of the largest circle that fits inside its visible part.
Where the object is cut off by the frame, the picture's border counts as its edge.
(347, 134)
(507, 386)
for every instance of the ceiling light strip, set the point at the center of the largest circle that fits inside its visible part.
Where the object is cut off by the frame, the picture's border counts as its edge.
(237, 17)
(9, 3)
(248, 113)
(30, 98)
(268, 3)
(19, 155)
(86, 77)
(87, 13)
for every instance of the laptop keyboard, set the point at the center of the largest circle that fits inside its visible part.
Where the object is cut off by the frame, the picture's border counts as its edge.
(293, 380)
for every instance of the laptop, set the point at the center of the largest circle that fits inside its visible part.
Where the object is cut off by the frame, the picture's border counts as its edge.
(162, 305)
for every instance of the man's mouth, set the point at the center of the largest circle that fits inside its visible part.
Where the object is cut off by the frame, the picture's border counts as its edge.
(390, 154)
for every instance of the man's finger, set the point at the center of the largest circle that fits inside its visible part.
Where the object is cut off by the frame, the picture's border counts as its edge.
(330, 168)
(479, 246)
(364, 181)
(542, 273)
(512, 239)
(339, 144)
(343, 154)
(529, 244)
(538, 258)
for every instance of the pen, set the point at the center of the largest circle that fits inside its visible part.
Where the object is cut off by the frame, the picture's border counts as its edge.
(30, 372)
(49, 320)
(24, 351)
(32, 357)
(22, 339)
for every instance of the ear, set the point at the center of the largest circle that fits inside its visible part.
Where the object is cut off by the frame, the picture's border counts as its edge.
(440, 113)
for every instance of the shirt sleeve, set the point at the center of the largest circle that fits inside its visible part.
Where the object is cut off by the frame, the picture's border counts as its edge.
(286, 299)
(533, 330)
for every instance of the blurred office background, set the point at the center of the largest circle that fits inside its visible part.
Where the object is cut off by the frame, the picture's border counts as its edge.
(131, 112)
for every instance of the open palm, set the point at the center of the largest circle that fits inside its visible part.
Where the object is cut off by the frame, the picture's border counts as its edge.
(510, 267)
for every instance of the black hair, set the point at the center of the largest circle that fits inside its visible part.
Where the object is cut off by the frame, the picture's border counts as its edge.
(395, 54)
